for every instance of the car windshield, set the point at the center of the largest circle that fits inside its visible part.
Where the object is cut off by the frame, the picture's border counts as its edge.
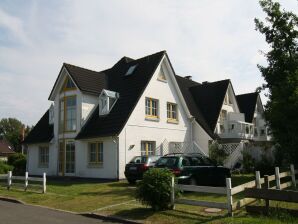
(169, 162)
(139, 159)
(200, 161)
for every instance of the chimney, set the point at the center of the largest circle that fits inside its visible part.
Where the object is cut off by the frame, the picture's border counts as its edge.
(189, 77)
(22, 133)
(205, 82)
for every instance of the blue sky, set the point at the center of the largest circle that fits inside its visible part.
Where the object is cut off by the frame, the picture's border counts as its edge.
(210, 40)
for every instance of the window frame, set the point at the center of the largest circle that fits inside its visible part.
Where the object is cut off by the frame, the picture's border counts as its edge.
(43, 156)
(99, 149)
(65, 88)
(151, 109)
(63, 114)
(170, 111)
(146, 150)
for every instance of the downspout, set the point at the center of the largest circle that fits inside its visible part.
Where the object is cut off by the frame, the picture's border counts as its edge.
(192, 119)
(116, 141)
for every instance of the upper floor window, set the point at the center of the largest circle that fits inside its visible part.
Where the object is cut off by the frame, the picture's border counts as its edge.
(227, 99)
(68, 113)
(151, 108)
(161, 75)
(107, 100)
(68, 84)
(172, 114)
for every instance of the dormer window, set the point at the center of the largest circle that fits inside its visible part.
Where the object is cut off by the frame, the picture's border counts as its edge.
(130, 70)
(107, 100)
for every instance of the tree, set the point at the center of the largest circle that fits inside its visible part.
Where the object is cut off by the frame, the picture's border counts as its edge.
(281, 76)
(11, 130)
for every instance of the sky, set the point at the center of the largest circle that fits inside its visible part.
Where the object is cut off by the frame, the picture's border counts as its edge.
(209, 40)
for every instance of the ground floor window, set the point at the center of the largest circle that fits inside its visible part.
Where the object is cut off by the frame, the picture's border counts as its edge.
(95, 153)
(43, 156)
(147, 148)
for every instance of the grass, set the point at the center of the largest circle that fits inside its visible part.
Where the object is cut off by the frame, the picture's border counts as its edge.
(102, 198)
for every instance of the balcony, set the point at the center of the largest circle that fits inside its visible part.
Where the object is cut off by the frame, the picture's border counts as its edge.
(236, 129)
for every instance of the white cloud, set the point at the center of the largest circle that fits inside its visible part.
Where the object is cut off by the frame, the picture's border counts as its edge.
(209, 40)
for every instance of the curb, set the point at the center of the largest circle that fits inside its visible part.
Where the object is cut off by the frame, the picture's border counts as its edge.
(89, 215)
(109, 218)
(13, 200)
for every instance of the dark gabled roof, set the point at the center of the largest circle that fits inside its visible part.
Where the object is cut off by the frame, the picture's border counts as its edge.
(130, 89)
(209, 98)
(42, 132)
(185, 85)
(87, 81)
(247, 105)
(5, 148)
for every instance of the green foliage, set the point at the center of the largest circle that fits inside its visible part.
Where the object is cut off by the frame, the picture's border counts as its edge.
(10, 129)
(4, 167)
(281, 76)
(155, 189)
(217, 153)
(248, 163)
(265, 165)
(18, 161)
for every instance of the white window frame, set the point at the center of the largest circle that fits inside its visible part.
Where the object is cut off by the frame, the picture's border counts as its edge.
(99, 154)
(43, 156)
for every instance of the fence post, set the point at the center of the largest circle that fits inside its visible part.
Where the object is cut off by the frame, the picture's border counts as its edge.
(173, 192)
(293, 176)
(229, 196)
(258, 179)
(44, 183)
(26, 181)
(9, 178)
(266, 200)
(277, 179)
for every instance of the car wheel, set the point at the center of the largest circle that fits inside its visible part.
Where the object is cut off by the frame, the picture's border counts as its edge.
(131, 181)
(193, 181)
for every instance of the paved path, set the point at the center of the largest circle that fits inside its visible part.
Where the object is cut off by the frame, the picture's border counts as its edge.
(13, 213)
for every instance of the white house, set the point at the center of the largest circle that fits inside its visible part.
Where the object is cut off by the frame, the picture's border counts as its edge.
(98, 121)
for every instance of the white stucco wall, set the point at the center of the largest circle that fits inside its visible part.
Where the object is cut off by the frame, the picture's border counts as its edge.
(107, 170)
(201, 137)
(33, 160)
(138, 128)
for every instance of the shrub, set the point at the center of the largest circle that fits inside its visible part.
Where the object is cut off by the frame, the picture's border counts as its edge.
(155, 189)
(4, 167)
(217, 153)
(265, 165)
(18, 161)
(248, 163)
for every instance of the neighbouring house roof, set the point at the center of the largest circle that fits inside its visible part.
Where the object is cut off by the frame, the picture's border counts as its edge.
(209, 98)
(42, 132)
(130, 89)
(185, 85)
(247, 104)
(5, 148)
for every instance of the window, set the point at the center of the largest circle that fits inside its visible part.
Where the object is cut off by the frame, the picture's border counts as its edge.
(147, 148)
(131, 70)
(44, 156)
(151, 108)
(222, 116)
(172, 112)
(70, 112)
(68, 84)
(96, 153)
(161, 75)
(107, 100)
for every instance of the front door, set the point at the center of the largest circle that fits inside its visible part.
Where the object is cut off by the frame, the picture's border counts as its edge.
(67, 158)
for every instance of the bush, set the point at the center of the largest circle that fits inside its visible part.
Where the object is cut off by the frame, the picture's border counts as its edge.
(217, 153)
(155, 189)
(265, 165)
(248, 163)
(4, 167)
(18, 161)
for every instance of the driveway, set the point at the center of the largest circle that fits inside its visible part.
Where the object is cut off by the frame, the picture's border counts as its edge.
(12, 213)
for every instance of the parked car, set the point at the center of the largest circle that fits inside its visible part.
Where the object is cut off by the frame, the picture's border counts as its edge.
(194, 169)
(135, 169)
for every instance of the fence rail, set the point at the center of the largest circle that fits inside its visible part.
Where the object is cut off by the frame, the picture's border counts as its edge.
(231, 205)
(10, 180)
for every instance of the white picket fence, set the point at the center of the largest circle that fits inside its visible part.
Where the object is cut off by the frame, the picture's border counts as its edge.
(229, 191)
(10, 180)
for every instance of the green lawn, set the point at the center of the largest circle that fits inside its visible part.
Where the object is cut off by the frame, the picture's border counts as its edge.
(102, 198)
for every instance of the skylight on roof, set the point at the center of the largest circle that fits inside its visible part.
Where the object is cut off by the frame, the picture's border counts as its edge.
(131, 70)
